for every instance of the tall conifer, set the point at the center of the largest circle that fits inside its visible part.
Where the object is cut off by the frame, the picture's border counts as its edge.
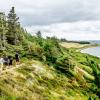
(12, 34)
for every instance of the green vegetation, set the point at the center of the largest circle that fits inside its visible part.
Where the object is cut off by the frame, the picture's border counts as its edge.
(48, 71)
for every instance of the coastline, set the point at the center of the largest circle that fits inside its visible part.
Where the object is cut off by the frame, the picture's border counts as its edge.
(82, 50)
(88, 46)
(79, 47)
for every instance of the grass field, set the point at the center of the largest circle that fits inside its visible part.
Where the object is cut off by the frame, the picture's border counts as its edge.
(73, 45)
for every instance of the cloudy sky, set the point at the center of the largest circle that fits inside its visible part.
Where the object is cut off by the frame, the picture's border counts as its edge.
(70, 19)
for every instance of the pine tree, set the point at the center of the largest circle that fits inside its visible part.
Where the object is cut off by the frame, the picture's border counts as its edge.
(12, 34)
(39, 35)
(2, 31)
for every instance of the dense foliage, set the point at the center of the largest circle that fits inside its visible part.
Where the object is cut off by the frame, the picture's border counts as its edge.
(74, 71)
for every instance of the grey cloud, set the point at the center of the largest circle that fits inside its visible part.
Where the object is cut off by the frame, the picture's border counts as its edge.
(53, 11)
(62, 18)
(82, 30)
(41, 12)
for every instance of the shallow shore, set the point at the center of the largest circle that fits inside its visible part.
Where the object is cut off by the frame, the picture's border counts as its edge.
(88, 46)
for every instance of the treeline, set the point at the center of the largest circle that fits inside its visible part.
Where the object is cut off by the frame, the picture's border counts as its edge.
(80, 42)
(14, 38)
(11, 31)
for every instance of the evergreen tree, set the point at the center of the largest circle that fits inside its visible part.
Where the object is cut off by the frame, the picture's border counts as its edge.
(39, 35)
(12, 34)
(39, 38)
(2, 31)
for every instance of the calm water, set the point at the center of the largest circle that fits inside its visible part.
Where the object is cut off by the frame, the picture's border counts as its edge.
(95, 51)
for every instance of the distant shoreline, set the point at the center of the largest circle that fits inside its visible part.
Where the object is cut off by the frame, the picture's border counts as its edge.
(94, 51)
(89, 46)
(77, 46)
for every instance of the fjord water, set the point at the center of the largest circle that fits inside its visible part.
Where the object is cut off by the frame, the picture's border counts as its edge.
(95, 51)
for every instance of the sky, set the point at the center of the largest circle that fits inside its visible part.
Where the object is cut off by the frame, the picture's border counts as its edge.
(70, 19)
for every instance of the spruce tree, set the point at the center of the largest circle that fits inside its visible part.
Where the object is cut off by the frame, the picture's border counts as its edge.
(12, 34)
(39, 35)
(2, 31)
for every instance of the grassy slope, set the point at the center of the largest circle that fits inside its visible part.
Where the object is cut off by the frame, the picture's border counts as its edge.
(33, 80)
(36, 81)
